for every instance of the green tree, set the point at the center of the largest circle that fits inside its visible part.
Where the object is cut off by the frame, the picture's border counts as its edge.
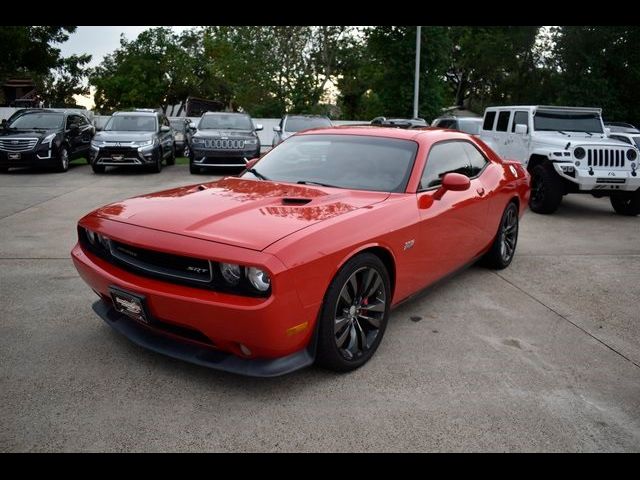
(599, 66)
(32, 52)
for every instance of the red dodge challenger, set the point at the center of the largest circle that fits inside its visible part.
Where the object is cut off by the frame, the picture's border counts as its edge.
(301, 257)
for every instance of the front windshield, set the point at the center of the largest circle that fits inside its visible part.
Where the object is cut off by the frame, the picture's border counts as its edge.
(346, 161)
(131, 123)
(38, 120)
(296, 124)
(226, 122)
(567, 122)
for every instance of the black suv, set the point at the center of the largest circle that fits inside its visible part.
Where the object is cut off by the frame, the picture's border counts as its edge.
(224, 139)
(142, 138)
(44, 138)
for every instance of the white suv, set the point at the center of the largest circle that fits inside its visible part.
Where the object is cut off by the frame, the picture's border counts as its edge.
(566, 150)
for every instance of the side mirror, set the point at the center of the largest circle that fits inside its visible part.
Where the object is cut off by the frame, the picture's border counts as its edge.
(607, 131)
(165, 129)
(521, 129)
(277, 129)
(259, 127)
(74, 127)
(3, 124)
(192, 126)
(251, 163)
(454, 182)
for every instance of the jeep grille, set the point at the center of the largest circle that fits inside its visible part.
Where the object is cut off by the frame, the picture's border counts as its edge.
(606, 157)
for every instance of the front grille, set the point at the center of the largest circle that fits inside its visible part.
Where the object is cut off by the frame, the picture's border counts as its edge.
(191, 271)
(162, 264)
(224, 144)
(606, 157)
(17, 144)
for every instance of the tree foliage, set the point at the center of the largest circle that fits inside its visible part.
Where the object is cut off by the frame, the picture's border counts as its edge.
(30, 51)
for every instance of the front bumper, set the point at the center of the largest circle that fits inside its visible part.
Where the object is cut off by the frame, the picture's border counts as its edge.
(28, 159)
(118, 156)
(190, 352)
(600, 179)
(223, 158)
(271, 328)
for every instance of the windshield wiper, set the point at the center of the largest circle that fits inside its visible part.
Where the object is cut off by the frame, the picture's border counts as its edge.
(564, 133)
(310, 182)
(257, 173)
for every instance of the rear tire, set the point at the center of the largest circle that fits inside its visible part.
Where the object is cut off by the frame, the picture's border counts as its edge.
(504, 246)
(546, 190)
(627, 203)
(354, 314)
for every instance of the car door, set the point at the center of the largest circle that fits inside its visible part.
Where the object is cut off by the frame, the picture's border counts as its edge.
(518, 146)
(72, 134)
(452, 229)
(85, 134)
(166, 138)
(502, 136)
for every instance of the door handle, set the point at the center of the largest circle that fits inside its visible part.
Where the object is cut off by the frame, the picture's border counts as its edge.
(480, 191)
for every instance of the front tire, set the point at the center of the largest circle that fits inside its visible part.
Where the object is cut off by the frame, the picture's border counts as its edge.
(354, 314)
(503, 248)
(157, 166)
(546, 190)
(627, 203)
(63, 160)
(172, 158)
(193, 168)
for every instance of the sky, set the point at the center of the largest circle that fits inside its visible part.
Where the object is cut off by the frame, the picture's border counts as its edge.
(100, 41)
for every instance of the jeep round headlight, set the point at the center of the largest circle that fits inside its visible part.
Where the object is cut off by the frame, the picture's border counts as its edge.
(231, 273)
(631, 154)
(579, 153)
(259, 279)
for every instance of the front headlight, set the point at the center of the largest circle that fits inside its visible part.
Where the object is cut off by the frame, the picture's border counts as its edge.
(253, 141)
(197, 140)
(259, 279)
(631, 154)
(48, 139)
(144, 143)
(96, 143)
(231, 273)
(579, 153)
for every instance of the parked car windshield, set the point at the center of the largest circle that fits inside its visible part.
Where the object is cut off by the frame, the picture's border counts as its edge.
(38, 120)
(470, 126)
(131, 123)
(345, 161)
(567, 122)
(226, 122)
(296, 124)
(178, 125)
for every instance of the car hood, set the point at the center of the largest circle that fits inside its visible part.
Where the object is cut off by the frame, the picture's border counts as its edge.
(116, 136)
(217, 133)
(26, 132)
(553, 139)
(245, 213)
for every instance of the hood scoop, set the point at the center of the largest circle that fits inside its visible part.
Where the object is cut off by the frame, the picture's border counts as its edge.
(295, 200)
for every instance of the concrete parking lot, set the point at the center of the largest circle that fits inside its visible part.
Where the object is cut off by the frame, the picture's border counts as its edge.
(542, 356)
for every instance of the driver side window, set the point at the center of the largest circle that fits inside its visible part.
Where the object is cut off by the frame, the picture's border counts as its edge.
(444, 157)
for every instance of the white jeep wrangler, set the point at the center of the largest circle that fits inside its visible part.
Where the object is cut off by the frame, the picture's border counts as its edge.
(566, 150)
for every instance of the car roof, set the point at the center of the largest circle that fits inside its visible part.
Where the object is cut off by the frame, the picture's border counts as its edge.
(545, 108)
(305, 115)
(388, 132)
(137, 112)
(226, 113)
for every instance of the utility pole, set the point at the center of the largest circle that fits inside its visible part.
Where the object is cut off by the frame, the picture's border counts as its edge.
(416, 85)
